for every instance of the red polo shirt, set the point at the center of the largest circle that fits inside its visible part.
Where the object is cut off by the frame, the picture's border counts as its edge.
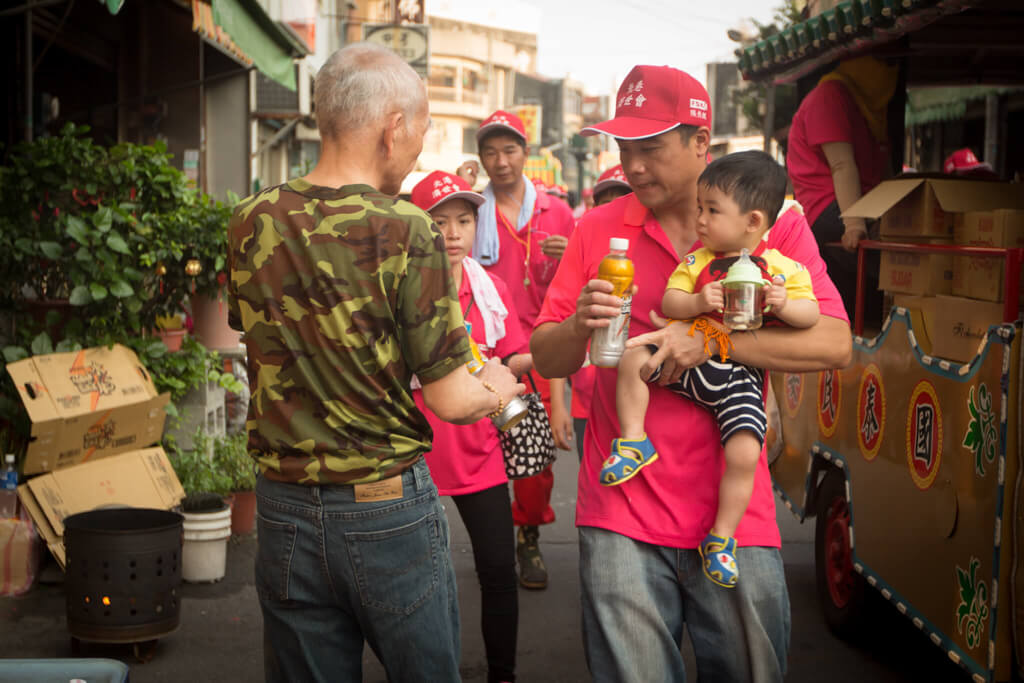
(551, 216)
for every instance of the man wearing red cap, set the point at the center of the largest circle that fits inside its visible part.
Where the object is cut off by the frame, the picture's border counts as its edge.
(521, 234)
(640, 570)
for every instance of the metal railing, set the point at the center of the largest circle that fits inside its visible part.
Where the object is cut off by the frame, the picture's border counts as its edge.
(1011, 277)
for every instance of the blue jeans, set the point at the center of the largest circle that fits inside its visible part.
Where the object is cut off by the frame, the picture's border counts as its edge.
(636, 597)
(331, 573)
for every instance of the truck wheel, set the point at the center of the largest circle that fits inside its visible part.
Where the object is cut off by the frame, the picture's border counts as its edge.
(842, 592)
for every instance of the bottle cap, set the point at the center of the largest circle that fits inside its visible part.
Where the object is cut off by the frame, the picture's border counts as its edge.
(618, 244)
(743, 270)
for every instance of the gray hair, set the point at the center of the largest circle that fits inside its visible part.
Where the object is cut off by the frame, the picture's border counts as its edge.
(361, 84)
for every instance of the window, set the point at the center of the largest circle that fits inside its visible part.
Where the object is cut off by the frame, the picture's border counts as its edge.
(574, 102)
(442, 76)
(469, 140)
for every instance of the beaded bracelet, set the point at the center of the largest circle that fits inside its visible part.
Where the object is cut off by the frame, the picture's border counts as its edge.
(501, 404)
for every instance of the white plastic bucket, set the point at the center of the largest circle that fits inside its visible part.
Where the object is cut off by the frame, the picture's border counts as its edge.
(205, 551)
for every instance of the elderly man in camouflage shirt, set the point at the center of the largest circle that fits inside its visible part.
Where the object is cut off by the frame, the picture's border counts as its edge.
(344, 294)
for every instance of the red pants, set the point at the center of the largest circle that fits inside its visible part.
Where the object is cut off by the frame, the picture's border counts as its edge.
(531, 501)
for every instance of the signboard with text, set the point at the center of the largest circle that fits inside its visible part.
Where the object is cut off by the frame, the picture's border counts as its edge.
(531, 114)
(411, 42)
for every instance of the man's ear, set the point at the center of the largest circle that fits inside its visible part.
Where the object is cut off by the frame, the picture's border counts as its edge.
(394, 126)
(700, 141)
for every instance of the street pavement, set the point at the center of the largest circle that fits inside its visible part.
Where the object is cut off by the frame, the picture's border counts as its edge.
(220, 634)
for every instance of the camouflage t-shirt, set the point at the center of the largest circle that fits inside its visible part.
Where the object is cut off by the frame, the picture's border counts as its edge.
(343, 294)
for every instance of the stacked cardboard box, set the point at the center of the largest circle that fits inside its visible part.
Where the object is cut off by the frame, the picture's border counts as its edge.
(94, 412)
(945, 289)
(978, 277)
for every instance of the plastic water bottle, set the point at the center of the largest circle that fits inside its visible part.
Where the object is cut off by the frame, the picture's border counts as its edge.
(9, 489)
(608, 343)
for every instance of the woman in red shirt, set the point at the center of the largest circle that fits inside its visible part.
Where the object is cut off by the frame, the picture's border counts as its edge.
(466, 462)
(837, 151)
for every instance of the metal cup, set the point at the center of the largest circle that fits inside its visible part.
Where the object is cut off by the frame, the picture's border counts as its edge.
(514, 411)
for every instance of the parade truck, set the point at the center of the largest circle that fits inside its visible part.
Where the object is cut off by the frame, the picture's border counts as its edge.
(908, 462)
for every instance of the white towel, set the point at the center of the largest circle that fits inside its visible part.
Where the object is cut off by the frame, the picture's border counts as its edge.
(486, 300)
(487, 244)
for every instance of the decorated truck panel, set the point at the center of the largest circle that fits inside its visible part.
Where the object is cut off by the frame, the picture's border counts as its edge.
(911, 465)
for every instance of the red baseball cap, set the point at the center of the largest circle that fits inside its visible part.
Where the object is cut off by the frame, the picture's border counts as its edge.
(653, 100)
(502, 120)
(439, 187)
(613, 177)
(963, 161)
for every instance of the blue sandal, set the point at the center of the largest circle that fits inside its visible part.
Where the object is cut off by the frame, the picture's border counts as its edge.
(626, 459)
(719, 553)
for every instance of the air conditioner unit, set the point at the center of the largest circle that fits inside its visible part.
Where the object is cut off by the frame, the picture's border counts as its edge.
(274, 98)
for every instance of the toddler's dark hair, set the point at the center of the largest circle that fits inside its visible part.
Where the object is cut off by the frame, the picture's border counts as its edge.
(753, 180)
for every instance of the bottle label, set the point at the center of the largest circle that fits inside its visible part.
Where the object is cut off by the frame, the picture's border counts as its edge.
(608, 343)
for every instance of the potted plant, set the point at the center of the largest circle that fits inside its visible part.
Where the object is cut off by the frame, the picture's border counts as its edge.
(207, 524)
(100, 242)
(231, 455)
(76, 222)
(208, 293)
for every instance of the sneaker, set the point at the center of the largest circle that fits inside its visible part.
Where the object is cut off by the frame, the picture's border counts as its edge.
(626, 459)
(532, 572)
(719, 553)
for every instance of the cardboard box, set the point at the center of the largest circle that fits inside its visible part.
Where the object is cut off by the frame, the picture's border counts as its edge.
(957, 326)
(925, 306)
(142, 478)
(916, 272)
(926, 207)
(982, 278)
(87, 404)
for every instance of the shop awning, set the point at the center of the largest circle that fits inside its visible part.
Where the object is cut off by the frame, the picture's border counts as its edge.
(850, 28)
(926, 105)
(244, 30)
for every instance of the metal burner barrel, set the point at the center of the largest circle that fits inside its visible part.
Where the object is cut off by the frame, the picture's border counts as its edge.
(123, 574)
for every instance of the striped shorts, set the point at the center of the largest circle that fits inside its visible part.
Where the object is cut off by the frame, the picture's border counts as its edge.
(734, 393)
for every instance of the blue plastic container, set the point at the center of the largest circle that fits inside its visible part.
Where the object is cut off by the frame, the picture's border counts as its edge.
(62, 670)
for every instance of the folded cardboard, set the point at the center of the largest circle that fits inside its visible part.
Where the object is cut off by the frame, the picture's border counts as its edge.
(926, 207)
(981, 277)
(87, 404)
(958, 326)
(916, 272)
(142, 478)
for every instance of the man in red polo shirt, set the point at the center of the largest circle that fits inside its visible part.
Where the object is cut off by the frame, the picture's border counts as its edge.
(521, 234)
(640, 571)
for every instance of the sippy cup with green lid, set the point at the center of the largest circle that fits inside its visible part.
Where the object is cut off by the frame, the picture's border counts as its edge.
(743, 294)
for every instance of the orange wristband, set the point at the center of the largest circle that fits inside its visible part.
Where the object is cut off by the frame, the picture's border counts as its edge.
(711, 332)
